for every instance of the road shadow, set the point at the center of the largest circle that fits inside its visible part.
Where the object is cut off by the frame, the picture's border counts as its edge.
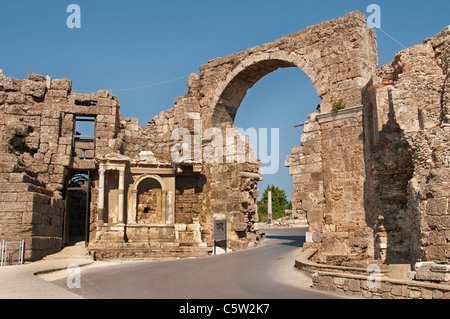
(288, 240)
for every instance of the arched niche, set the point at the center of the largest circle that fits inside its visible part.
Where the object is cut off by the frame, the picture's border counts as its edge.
(150, 201)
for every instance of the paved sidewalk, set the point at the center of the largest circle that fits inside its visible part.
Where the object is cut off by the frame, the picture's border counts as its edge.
(21, 282)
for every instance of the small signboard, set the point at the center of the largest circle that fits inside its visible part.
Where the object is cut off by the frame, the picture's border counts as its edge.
(220, 230)
(220, 234)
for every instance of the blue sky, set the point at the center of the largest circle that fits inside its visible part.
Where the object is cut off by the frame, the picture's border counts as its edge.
(128, 44)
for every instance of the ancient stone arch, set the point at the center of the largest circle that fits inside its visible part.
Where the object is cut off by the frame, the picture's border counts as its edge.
(338, 56)
(242, 78)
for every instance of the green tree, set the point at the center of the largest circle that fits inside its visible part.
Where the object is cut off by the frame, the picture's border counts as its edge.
(279, 203)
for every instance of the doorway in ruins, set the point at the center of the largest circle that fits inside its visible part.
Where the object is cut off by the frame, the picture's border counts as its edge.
(271, 102)
(77, 210)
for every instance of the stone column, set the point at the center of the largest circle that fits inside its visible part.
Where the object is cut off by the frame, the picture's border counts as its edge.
(101, 194)
(132, 203)
(170, 218)
(121, 194)
(163, 206)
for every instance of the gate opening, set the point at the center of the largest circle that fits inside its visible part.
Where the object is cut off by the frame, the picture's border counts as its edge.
(77, 212)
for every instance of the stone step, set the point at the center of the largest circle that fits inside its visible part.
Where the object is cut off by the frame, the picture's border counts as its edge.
(148, 252)
(76, 251)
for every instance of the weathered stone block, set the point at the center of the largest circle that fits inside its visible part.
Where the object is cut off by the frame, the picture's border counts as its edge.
(35, 89)
(430, 271)
(57, 94)
(302, 178)
(437, 206)
(437, 294)
(340, 281)
(239, 227)
(399, 291)
(61, 84)
(399, 271)
(19, 178)
(3, 97)
(10, 84)
(18, 98)
(354, 285)
(60, 159)
(36, 77)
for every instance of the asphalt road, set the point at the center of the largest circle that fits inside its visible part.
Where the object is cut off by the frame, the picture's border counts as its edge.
(264, 272)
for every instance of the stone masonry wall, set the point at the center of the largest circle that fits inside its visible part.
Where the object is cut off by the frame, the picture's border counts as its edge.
(407, 138)
(306, 167)
(36, 136)
(223, 190)
(328, 174)
(40, 154)
(375, 186)
(346, 235)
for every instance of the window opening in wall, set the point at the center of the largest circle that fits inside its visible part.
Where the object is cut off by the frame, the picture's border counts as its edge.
(84, 137)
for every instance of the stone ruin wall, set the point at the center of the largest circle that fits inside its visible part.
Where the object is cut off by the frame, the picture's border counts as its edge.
(328, 168)
(221, 192)
(372, 181)
(364, 177)
(37, 130)
(36, 138)
(38, 126)
(339, 57)
(328, 174)
(407, 154)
